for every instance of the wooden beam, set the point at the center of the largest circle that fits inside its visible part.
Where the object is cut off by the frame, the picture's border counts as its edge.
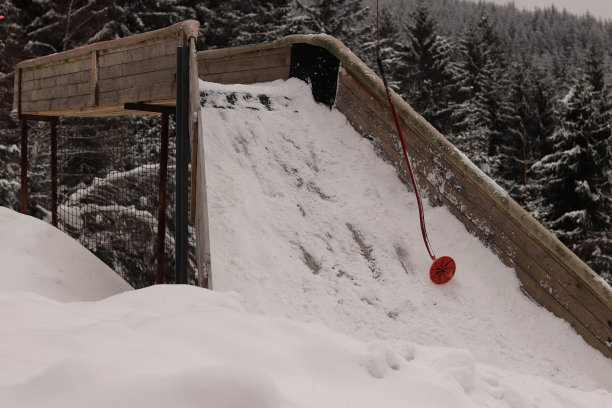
(258, 61)
(94, 78)
(165, 46)
(42, 118)
(18, 91)
(248, 77)
(138, 67)
(146, 107)
(140, 79)
(194, 175)
(138, 94)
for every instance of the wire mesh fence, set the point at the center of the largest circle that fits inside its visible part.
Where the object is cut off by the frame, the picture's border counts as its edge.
(108, 191)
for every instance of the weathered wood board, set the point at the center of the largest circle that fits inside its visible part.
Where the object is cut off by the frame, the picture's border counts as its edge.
(89, 80)
(245, 68)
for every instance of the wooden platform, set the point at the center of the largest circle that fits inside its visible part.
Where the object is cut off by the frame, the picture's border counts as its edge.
(549, 272)
(98, 79)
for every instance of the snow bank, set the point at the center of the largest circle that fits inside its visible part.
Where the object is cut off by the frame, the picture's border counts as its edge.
(188, 347)
(36, 257)
(307, 222)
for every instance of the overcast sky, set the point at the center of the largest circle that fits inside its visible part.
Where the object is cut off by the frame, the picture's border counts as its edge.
(597, 8)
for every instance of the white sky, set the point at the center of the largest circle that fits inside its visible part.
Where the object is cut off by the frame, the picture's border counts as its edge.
(597, 8)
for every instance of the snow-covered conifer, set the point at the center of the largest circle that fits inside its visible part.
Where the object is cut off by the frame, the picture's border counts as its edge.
(430, 79)
(574, 178)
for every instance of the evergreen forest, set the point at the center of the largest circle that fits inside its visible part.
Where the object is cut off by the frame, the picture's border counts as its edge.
(524, 94)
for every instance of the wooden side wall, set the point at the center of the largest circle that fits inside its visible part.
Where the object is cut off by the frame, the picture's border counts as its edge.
(244, 68)
(548, 281)
(97, 80)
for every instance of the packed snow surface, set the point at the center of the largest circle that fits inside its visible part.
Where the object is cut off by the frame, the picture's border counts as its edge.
(38, 258)
(322, 293)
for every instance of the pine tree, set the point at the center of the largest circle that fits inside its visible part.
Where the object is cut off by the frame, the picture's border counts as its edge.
(575, 196)
(393, 50)
(431, 79)
(526, 118)
(12, 49)
(480, 93)
(544, 108)
(342, 19)
(596, 248)
(513, 150)
(57, 26)
(239, 22)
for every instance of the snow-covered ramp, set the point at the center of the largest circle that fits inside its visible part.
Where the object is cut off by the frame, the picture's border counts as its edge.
(308, 222)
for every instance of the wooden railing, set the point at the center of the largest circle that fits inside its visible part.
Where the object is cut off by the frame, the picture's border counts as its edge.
(97, 80)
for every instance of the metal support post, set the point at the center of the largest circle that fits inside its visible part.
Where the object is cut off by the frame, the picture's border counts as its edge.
(182, 163)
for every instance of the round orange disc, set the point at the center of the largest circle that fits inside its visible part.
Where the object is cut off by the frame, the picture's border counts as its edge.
(442, 270)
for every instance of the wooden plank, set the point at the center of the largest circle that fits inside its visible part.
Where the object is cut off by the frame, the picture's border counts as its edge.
(207, 67)
(208, 55)
(176, 36)
(137, 67)
(139, 94)
(249, 77)
(56, 92)
(59, 80)
(42, 106)
(574, 303)
(102, 111)
(81, 64)
(148, 78)
(94, 78)
(18, 85)
(163, 47)
(181, 31)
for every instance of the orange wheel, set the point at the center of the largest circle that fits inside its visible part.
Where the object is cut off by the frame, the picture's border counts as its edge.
(442, 270)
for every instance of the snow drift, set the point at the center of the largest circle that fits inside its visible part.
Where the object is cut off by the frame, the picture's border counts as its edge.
(38, 258)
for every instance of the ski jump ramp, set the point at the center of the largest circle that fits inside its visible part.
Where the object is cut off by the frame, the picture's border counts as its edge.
(549, 273)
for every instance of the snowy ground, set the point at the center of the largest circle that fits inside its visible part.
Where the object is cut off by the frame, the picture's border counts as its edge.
(323, 294)
(37, 258)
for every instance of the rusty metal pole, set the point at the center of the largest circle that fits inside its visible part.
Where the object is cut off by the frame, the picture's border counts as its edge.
(161, 211)
(24, 166)
(54, 172)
